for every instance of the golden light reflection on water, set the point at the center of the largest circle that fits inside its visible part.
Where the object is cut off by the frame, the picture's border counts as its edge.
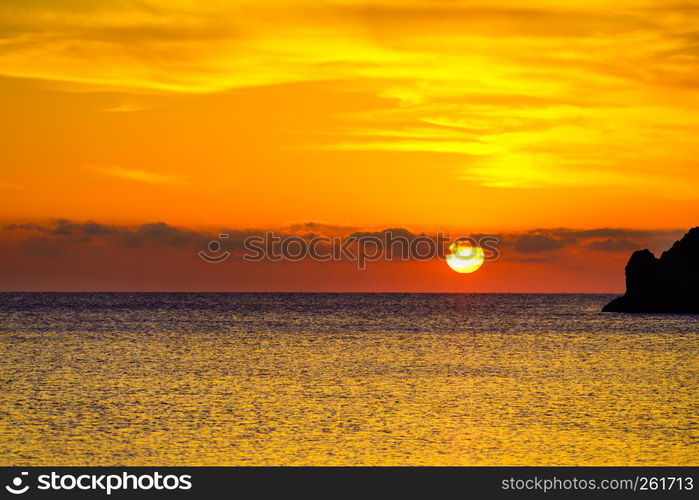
(488, 399)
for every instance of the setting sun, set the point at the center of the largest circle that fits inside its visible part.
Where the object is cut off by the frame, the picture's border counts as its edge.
(465, 258)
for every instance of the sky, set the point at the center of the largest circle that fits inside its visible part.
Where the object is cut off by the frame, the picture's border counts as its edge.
(568, 131)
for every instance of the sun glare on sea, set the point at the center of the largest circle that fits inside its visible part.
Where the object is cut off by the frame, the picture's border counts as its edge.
(465, 258)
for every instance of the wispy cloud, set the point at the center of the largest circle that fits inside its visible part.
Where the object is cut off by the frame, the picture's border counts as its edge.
(138, 175)
(126, 107)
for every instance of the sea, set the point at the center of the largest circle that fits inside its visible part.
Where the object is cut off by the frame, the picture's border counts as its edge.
(343, 379)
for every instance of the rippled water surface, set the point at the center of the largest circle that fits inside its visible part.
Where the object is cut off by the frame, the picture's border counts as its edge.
(170, 379)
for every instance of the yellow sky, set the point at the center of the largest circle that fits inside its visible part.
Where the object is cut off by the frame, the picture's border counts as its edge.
(438, 114)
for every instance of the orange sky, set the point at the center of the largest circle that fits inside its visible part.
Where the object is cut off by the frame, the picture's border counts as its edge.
(458, 116)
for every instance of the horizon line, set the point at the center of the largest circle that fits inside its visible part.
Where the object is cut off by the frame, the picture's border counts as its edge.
(305, 292)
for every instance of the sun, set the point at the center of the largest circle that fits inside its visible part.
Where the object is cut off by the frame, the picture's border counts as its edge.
(465, 258)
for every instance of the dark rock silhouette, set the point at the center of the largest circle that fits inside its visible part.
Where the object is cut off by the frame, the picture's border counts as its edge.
(669, 284)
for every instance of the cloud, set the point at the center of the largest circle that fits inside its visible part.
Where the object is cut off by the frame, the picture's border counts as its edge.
(613, 245)
(44, 247)
(126, 107)
(64, 227)
(527, 95)
(159, 233)
(210, 45)
(320, 228)
(622, 233)
(61, 237)
(619, 240)
(66, 231)
(139, 175)
(534, 243)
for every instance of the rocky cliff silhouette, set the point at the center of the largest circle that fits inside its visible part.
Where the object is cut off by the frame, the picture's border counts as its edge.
(669, 284)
